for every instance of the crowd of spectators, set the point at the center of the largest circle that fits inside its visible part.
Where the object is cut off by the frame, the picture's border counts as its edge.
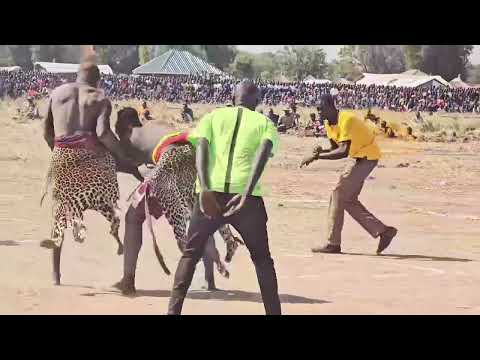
(218, 90)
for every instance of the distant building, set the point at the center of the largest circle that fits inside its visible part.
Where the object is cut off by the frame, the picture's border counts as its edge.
(62, 68)
(312, 80)
(10, 68)
(177, 62)
(457, 83)
(410, 78)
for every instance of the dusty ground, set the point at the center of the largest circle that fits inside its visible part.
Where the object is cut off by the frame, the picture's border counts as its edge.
(432, 267)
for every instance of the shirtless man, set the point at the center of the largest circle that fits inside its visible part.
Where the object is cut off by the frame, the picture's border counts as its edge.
(83, 170)
(169, 189)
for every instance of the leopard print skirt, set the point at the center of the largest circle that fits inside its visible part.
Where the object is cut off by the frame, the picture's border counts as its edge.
(83, 179)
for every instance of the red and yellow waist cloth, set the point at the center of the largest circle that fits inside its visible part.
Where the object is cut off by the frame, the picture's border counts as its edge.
(170, 139)
(152, 206)
(76, 141)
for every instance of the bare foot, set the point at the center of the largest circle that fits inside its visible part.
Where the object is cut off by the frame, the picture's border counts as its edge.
(48, 244)
(126, 288)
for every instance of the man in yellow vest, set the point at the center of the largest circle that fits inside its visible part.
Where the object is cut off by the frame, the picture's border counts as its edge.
(349, 137)
(233, 147)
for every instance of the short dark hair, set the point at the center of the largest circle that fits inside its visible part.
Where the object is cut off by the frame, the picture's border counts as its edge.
(126, 116)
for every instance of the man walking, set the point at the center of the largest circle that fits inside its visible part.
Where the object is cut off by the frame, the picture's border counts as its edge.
(349, 136)
(228, 192)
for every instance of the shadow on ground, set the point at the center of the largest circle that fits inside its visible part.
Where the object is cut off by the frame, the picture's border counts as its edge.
(232, 295)
(412, 257)
(8, 243)
(224, 295)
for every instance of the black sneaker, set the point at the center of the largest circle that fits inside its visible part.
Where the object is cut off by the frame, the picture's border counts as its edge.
(386, 238)
(327, 249)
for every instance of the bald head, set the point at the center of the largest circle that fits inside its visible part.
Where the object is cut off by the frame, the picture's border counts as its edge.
(247, 94)
(89, 73)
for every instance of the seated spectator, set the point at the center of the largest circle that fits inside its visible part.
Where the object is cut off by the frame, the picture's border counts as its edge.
(286, 122)
(418, 117)
(144, 112)
(296, 117)
(218, 90)
(312, 122)
(273, 117)
(318, 127)
(370, 116)
(187, 113)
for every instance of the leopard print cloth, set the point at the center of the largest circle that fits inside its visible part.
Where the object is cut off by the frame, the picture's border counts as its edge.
(171, 192)
(83, 179)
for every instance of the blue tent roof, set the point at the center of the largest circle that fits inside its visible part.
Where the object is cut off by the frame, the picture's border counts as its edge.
(177, 62)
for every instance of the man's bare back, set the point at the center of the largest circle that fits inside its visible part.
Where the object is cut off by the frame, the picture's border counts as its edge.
(80, 108)
(76, 108)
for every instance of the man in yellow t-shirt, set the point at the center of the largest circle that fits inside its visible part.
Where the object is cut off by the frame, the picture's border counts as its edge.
(233, 147)
(349, 137)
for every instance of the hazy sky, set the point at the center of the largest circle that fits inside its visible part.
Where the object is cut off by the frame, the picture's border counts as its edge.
(331, 50)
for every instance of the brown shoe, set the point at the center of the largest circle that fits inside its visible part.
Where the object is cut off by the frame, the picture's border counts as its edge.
(386, 238)
(327, 249)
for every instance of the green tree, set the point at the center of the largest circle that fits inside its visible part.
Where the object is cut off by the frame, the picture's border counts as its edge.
(413, 56)
(5, 56)
(297, 62)
(220, 55)
(242, 67)
(447, 61)
(144, 54)
(121, 58)
(44, 53)
(21, 56)
(473, 74)
(102, 52)
(266, 66)
(346, 65)
(381, 59)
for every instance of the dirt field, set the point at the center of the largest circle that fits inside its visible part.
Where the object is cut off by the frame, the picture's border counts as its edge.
(430, 268)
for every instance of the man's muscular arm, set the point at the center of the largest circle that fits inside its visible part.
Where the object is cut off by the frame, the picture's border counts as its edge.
(105, 134)
(48, 129)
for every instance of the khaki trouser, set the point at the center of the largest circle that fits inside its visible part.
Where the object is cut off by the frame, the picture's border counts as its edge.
(345, 197)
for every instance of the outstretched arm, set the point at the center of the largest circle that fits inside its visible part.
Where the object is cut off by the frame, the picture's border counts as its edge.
(48, 129)
(340, 152)
(334, 153)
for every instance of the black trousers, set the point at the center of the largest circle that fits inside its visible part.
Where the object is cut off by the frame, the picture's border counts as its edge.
(251, 223)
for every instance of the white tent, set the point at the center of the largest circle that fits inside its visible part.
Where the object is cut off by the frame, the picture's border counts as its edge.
(458, 83)
(63, 68)
(411, 78)
(344, 81)
(10, 68)
(312, 80)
